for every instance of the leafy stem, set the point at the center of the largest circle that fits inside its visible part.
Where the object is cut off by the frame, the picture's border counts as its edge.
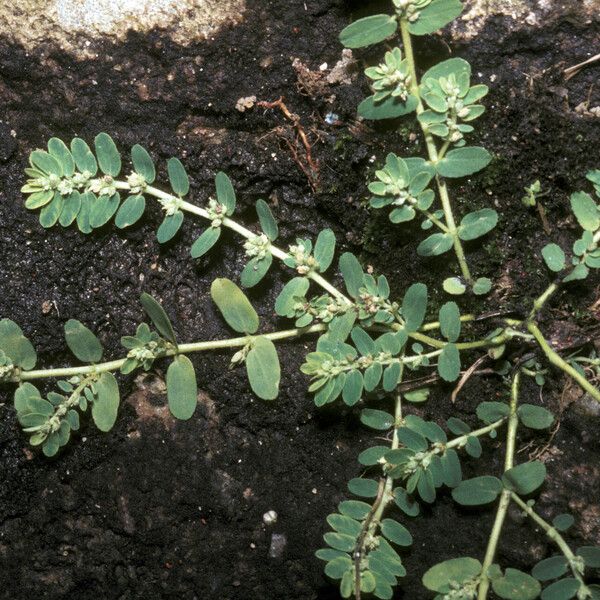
(434, 156)
(561, 363)
(552, 534)
(115, 365)
(505, 496)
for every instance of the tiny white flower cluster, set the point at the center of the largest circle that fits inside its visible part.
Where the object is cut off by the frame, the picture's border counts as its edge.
(103, 186)
(257, 246)
(137, 183)
(305, 262)
(216, 213)
(171, 205)
(410, 8)
(143, 353)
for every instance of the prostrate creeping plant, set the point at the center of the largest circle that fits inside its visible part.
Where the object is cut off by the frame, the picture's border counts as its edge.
(369, 346)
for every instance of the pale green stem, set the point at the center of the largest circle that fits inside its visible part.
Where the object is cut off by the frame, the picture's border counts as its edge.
(235, 226)
(559, 362)
(553, 535)
(115, 365)
(511, 436)
(459, 442)
(434, 157)
(539, 302)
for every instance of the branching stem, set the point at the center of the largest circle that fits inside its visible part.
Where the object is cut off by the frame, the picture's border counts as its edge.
(434, 156)
(511, 436)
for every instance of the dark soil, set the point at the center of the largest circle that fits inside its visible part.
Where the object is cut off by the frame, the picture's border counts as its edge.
(165, 509)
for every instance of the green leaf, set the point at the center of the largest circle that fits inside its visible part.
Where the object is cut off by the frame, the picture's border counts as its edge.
(390, 108)
(550, 568)
(83, 216)
(71, 208)
(489, 412)
(130, 211)
(482, 286)
(590, 555)
(169, 227)
(82, 342)
(449, 363)
(329, 554)
(371, 456)
(450, 321)
(340, 541)
(561, 590)
(367, 31)
(159, 317)
(354, 508)
(435, 244)
(295, 288)
(83, 156)
(109, 158)
(473, 447)
(178, 178)
(51, 212)
(391, 376)
(234, 306)
(255, 270)
(52, 444)
(476, 491)
(451, 468)
(142, 163)
(396, 533)
(352, 273)
(353, 388)
(526, 478)
(61, 153)
(563, 522)
(363, 341)
(16, 346)
(267, 220)
(554, 257)
(225, 192)
(444, 575)
(516, 585)
(435, 16)
(264, 372)
(412, 439)
(205, 241)
(182, 389)
(45, 162)
(414, 306)
(106, 402)
(367, 488)
(477, 224)
(458, 67)
(337, 567)
(343, 524)
(406, 505)
(24, 395)
(578, 273)
(454, 286)
(376, 419)
(461, 162)
(585, 211)
(402, 214)
(102, 210)
(324, 249)
(535, 417)
(39, 199)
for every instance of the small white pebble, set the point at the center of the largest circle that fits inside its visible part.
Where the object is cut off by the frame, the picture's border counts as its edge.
(323, 67)
(270, 517)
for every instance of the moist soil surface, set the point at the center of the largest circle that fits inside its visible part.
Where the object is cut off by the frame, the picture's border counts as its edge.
(166, 509)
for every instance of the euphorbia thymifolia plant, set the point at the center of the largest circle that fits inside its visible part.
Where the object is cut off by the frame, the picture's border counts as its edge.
(370, 347)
